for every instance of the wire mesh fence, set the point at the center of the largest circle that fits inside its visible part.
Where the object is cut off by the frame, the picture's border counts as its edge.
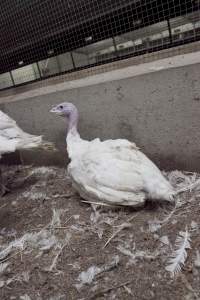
(44, 38)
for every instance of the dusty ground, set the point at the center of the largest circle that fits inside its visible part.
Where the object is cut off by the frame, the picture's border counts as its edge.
(53, 246)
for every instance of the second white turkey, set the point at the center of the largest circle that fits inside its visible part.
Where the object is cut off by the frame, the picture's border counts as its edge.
(13, 138)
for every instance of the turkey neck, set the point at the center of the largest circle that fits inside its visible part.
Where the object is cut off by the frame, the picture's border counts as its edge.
(73, 123)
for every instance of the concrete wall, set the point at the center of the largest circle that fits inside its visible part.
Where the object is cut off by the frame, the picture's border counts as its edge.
(159, 111)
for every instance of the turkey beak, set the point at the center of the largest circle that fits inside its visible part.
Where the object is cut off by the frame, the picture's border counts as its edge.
(54, 110)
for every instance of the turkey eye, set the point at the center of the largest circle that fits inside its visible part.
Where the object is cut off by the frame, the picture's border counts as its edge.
(61, 107)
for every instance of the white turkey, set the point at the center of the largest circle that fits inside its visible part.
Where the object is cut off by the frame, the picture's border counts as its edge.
(115, 172)
(13, 138)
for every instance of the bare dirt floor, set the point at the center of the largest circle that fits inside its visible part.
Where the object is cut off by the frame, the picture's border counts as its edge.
(55, 247)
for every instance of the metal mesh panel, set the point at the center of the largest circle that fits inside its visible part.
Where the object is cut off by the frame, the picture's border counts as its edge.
(44, 38)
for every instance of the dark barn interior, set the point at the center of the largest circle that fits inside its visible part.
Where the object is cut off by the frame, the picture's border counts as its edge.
(32, 29)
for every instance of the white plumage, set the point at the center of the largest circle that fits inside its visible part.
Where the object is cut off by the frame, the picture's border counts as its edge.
(113, 171)
(13, 138)
(179, 255)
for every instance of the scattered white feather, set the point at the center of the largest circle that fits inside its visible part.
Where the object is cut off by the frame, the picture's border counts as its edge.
(25, 297)
(75, 265)
(197, 260)
(178, 257)
(58, 297)
(109, 219)
(58, 249)
(3, 267)
(42, 171)
(95, 215)
(16, 244)
(52, 267)
(120, 228)
(194, 225)
(95, 222)
(156, 236)
(179, 179)
(100, 232)
(56, 218)
(164, 240)
(10, 280)
(174, 222)
(128, 290)
(86, 277)
(42, 240)
(25, 276)
(77, 227)
(154, 225)
(127, 252)
(98, 221)
(8, 233)
(135, 254)
(31, 195)
(184, 181)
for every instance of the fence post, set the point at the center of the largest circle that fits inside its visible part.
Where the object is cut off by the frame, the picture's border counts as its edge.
(40, 75)
(11, 76)
(115, 46)
(170, 31)
(72, 58)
